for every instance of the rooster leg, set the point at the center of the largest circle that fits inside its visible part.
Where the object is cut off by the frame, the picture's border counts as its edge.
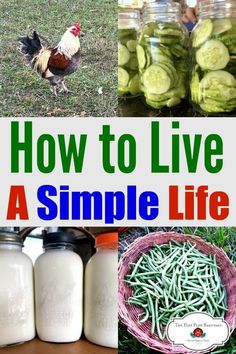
(53, 90)
(64, 88)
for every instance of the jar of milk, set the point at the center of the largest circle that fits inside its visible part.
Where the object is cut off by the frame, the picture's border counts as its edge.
(59, 289)
(101, 289)
(16, 292)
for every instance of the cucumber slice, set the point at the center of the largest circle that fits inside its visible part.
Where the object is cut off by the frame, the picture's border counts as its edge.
(221, 25)
(155, 97)
(134, 88)
(165, 51)
(123, 55)
(160, 48)
(133, 62)
(169, 72)
(147, 30)
(157, 57)
(202, 32)
(174, 101)
(141, 56)
(156, 79)
(123, 77)
(221, 93)
(216, 78)
(213, 55)
(195, 88)
(155, 104)
(168, 32)
(212, 106)
(179, 51)
(149, 60)
(123, 91)
(173, 72)
(167, 39)
(131, 45)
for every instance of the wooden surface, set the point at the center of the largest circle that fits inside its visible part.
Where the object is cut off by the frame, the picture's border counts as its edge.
(37, 347)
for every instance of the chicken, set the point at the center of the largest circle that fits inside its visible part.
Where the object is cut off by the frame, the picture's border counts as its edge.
(55, 63)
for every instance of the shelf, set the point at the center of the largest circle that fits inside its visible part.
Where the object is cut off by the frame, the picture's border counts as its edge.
(135, 107)
(38, 347)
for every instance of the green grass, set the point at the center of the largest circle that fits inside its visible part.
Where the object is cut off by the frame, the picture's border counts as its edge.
(23, 93)
(222, 237)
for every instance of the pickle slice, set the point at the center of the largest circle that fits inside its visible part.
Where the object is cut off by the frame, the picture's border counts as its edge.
(123, 55)
(202, 32)
(221, 25)
(216, 78)
(156, 79)
(134, 85)
(141, 56)
(123, 77)
(195, 88)
(131, 45)
(213, 55)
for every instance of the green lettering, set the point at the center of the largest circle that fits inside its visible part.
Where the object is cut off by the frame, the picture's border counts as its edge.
(24, 146)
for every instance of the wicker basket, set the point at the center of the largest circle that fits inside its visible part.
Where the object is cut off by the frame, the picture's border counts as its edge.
(129, 313)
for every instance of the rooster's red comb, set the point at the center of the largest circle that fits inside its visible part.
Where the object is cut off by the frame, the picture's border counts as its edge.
(77, 25)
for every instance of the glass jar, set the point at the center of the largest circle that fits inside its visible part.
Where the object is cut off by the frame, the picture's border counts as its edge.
(128, 73)
(135, 4)
(59, 289)
(16, 292)
(101, 293)
(162, 54)
(213, 64)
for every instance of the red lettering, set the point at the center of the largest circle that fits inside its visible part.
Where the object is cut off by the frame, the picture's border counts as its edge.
(17, 204)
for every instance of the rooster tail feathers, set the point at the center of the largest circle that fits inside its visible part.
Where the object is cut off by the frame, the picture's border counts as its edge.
(30, 46)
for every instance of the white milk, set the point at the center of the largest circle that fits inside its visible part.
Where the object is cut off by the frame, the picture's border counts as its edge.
(101, 293)
(16, 295)
(58, 294)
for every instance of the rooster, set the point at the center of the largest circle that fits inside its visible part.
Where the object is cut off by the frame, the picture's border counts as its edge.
(55, 63)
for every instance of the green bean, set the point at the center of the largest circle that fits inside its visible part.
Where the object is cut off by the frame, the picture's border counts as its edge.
(173, 279)
(152, 313)
(145, 317)
(136, 266)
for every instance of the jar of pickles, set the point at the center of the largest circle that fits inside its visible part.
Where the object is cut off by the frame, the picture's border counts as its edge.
(162, 54)
(213, 64)
(128, 74)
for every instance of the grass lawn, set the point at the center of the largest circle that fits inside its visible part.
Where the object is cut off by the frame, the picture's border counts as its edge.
(222, 237)
(23, 93)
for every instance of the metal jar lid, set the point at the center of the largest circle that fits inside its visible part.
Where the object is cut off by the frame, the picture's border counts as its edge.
(56, 238)
(10, 237)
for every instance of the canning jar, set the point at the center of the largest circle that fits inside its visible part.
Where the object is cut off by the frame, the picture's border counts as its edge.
(162, 54)
(101, 292)
(128, 73)
(213, 64)
(16, 292)
(59, 289)
(134, 4)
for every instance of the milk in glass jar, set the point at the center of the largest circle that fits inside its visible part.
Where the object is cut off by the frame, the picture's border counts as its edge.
(59, 289)
(101, 289)
(213, 63)
(16, 292)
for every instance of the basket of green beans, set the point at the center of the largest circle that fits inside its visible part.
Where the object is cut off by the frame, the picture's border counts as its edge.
(165, 275)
